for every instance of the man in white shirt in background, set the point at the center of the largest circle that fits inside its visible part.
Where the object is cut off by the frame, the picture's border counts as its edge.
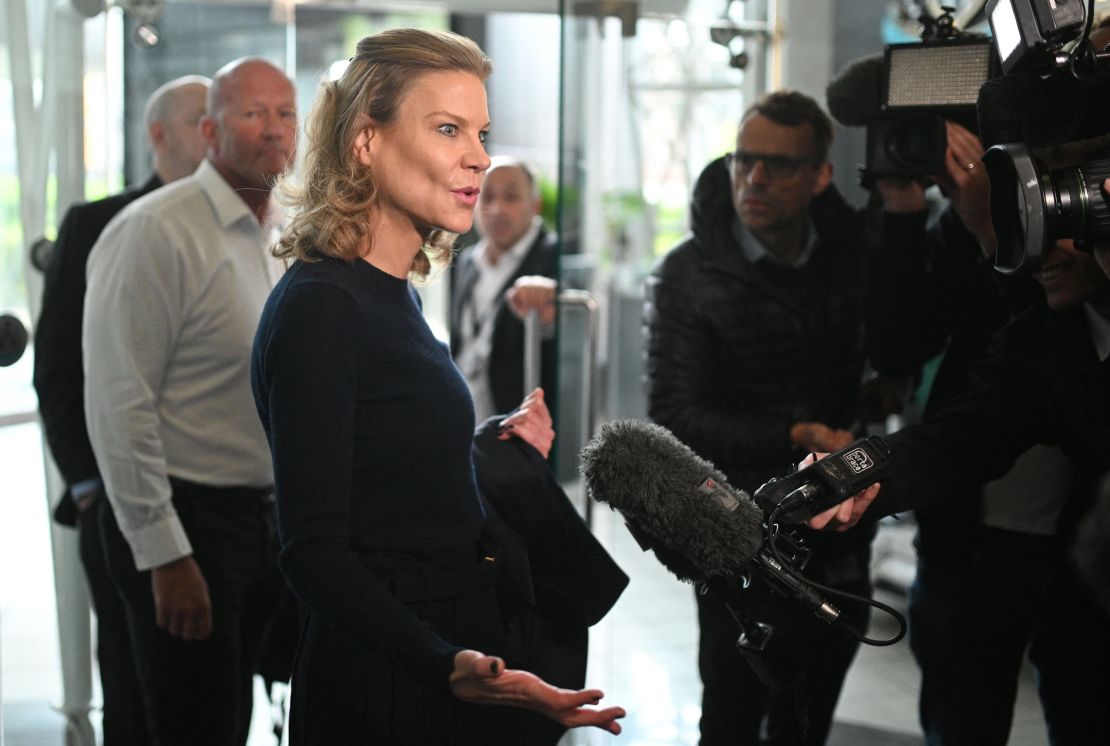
(516, 253)
(172, 118)
(176, 285)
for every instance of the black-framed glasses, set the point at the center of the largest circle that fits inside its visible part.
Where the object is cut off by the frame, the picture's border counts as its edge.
(776, 166)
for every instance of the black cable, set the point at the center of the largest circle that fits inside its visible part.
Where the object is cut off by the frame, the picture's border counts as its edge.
(772, 536)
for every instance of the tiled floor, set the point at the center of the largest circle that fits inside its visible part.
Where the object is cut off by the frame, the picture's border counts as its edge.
(642, 655)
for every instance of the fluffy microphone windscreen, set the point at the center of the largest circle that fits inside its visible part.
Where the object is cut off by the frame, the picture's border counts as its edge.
(855, 94)
(659, 485)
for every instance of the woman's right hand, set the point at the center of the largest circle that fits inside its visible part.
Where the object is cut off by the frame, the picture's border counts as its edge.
(483, 679)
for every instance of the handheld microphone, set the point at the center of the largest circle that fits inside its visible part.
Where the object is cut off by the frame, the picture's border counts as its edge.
(680, 506)
(828, 482)
(674, 502)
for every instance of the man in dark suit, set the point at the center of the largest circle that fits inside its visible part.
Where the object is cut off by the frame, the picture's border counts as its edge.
(487, 335)
(171, 116)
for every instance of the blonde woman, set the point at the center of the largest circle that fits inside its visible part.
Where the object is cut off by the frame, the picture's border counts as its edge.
(370, 423)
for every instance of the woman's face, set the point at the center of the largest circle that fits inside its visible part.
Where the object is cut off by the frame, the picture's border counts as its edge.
(428, 164)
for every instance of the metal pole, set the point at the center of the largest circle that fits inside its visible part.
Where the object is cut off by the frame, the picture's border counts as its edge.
(532, 351)
(583, 299)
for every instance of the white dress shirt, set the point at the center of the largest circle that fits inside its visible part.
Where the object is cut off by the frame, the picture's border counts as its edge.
(176, 285)
(479, 312)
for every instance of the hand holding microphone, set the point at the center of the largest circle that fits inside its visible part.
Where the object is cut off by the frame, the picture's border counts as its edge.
(845, 515)
(826, 481)
(701, 529)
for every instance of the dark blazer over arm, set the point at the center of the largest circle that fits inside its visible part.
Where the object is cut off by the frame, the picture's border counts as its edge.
(58, 377)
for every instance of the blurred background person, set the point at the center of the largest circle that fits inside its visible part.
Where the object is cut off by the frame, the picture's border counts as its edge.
(172, 118)
(487, 333)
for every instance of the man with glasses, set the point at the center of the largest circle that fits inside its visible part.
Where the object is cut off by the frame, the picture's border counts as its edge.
(755, 356)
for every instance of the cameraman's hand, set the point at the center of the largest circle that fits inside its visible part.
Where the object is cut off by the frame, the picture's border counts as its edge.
(483, 679)
(967, 185)
(181, 603)
(845, 515)
(817, 436)
(901, 195)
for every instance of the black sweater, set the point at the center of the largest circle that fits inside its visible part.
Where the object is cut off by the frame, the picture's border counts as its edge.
(370, 426)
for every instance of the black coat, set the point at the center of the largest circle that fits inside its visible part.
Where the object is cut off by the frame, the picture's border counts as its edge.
(58, 376)
(573, 581)
(506, 360)
(941, 295)
(1041, 383)
(739, 352)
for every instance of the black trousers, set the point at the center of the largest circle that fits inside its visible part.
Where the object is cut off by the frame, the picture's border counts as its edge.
(201, 692)
(737, 708)
(124, 716)
(977, 611)
(344, 695)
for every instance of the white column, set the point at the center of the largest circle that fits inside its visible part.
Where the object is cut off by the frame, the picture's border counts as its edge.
(55, 125)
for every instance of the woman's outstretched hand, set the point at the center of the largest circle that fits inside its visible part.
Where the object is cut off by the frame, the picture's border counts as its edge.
(483, 679)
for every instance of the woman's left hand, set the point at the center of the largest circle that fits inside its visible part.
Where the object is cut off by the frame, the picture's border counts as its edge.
(483, 679)
(531, 422)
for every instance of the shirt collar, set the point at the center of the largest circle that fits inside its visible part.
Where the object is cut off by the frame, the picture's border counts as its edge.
(517, 251)
(1099, 327)
(754, 250)
(226, 203)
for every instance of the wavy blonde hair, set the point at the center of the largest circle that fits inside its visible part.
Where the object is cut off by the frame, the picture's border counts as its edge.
(336, 192)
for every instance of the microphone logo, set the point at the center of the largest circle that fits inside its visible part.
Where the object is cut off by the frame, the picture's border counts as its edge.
(722, 495)
(858, 460)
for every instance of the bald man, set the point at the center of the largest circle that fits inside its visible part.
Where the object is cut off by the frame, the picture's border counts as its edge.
(176, 286)
(172, 119)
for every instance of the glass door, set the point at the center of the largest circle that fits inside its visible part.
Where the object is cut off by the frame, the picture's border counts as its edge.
(651, 92)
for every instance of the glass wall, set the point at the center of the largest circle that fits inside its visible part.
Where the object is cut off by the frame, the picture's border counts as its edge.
(647, 101)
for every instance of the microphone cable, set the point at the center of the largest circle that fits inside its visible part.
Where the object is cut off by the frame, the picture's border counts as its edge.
(772, 528)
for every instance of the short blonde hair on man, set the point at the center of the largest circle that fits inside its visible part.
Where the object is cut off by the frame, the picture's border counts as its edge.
(336, 192)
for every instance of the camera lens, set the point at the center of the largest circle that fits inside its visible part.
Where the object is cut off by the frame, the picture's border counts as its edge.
(1074, 201)
(1031, 208)
(906, 144)
(911, 144)
(1017, 208)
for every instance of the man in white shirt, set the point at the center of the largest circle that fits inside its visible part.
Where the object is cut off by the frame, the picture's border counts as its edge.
(172, 117)
(487, 338)
(176, 285)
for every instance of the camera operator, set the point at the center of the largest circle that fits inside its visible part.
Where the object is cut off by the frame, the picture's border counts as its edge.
(985, 562)
(1046, 379)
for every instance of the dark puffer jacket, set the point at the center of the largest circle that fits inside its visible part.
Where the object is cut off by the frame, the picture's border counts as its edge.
(737, 353)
